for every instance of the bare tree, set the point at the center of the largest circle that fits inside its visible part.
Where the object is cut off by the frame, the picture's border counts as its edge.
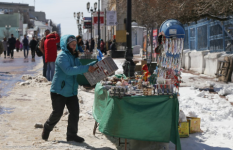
(150, 12)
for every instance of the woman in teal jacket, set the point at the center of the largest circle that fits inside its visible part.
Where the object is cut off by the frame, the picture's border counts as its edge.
(64, 89)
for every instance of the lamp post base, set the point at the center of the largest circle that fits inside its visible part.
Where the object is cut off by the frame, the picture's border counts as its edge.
(129, 65)
(129, 68)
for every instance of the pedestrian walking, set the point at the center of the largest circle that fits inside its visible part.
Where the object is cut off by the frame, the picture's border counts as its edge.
(102, 47)
(33, 44)
(8, 47)
(47, 32)
(11, 43)
(21, 46)
(64, 87)
(4, 44)
(1, 48)
(50, 49)
(87, 45)
(25, 46)
(17, 45)
(92, 44)
(109, 44)
(79, 44)
(113, 45)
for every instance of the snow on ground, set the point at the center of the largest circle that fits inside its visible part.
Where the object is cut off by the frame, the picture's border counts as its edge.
(216, 113)
(216, 120)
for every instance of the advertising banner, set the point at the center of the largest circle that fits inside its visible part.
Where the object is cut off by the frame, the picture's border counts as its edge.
(95, 19)
(87, 25)
(111, 18)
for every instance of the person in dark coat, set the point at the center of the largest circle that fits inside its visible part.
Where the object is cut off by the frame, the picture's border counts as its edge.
(92, 44)
(113, 45)
(87, 45)
(11, 43)
(25, 46)
(33, 44)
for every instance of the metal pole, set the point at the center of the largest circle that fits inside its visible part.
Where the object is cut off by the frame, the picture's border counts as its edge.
(129, 55)
(105, 26)
(151, 37)
(91, 25)
(98, 24)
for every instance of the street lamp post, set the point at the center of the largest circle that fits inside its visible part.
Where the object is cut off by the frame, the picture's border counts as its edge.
(129, 65)
(91, 11)
(79, 15)
(98, 24)
(8, 28)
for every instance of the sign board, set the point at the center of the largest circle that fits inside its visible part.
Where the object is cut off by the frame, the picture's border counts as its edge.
(87, 25)
(104, 68)
(111, 18)
(172, 31)
(154, 38)
(121, 36)
(87, 18)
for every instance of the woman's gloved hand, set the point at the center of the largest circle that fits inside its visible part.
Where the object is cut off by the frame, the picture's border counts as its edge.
(91, 69)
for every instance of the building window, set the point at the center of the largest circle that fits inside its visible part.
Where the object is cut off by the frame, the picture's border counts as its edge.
(202, 37)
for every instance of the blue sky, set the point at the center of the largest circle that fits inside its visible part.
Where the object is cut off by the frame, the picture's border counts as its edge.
(60, 11)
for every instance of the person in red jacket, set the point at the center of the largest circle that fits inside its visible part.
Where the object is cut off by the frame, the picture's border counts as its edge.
(50, 49)
(17, 45)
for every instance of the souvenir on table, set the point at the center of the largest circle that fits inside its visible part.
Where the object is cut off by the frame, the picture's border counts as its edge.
(169, 64)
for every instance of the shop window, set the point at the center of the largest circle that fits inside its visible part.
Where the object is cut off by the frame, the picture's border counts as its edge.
(202, 37)
(215, 30)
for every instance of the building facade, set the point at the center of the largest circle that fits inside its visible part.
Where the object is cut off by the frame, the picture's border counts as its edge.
(9, 24)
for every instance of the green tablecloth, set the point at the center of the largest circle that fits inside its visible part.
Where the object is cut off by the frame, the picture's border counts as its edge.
(146, 118)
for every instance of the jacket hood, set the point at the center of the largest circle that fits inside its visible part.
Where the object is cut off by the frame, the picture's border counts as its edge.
(50, 36)
(63, 42)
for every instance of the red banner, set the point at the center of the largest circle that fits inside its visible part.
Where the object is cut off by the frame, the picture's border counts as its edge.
(95, 21)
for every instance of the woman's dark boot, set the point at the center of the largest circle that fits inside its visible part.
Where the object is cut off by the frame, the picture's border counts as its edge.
(75, 138)
(45, 134)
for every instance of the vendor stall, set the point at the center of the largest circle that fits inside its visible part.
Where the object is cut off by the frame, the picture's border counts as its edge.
(146, 118)
(145, 107)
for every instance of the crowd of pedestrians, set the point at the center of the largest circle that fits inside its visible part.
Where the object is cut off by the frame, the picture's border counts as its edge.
(7, 47)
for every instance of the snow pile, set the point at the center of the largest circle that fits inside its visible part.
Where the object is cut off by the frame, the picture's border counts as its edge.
(216, 116)
(230, 98)
(34, 81)
(226, 91)
(182, 117)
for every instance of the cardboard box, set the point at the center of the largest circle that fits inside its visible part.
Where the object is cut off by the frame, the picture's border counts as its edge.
(183, 129)
(194, 124)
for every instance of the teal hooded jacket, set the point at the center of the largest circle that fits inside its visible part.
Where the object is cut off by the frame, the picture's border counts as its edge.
(67, 67)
